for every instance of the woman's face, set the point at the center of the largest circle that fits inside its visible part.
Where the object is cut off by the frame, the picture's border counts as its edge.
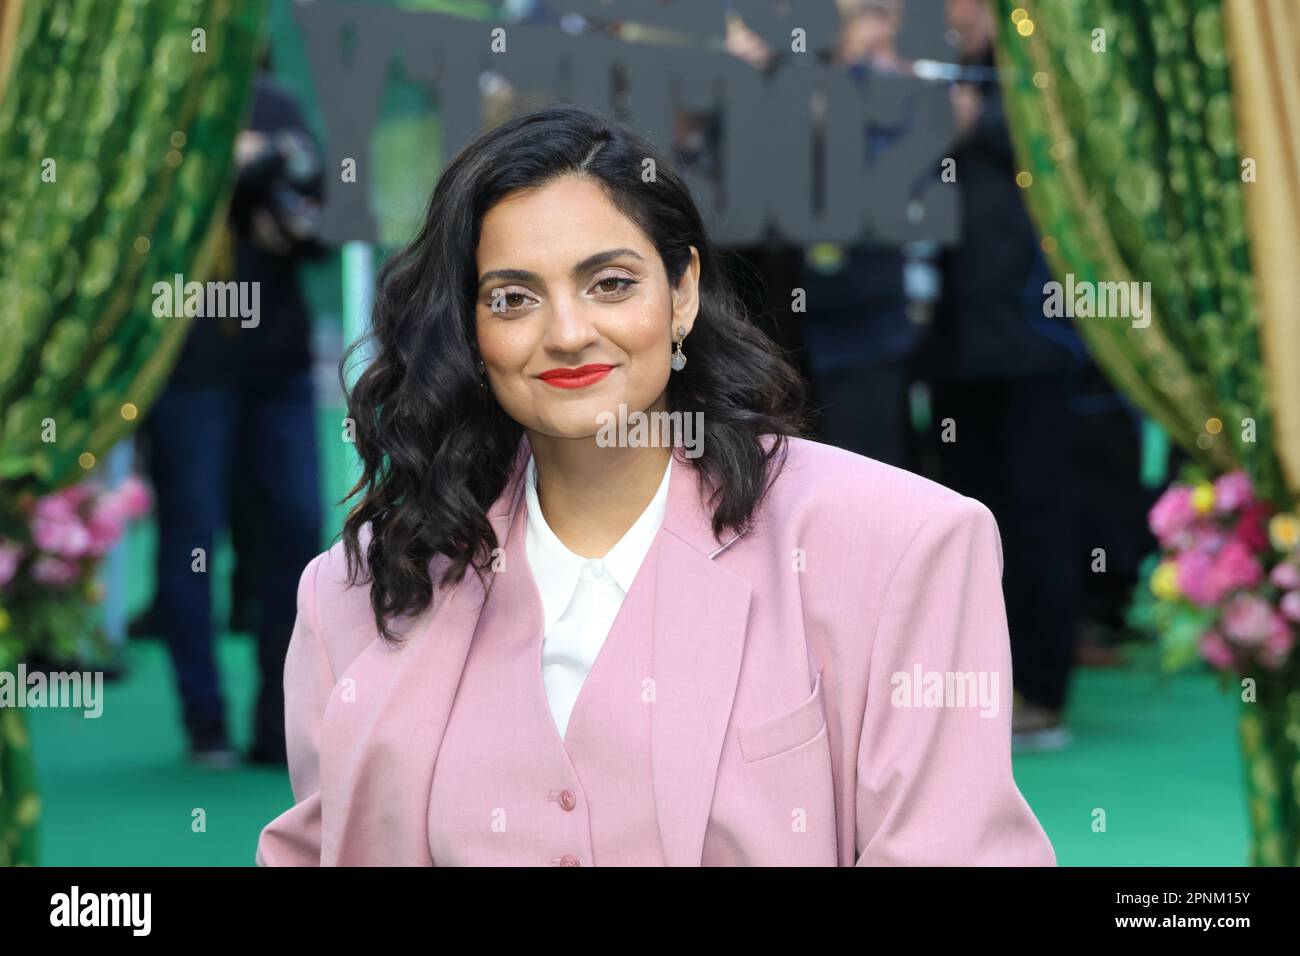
(567, 281)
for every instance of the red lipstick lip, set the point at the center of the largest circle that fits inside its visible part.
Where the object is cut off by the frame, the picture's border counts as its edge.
(575, 377)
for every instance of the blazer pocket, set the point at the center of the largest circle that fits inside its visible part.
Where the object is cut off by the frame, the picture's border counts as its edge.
(776, 735)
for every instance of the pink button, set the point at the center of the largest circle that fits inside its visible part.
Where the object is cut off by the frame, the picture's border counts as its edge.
(570, 860)
(568, 799)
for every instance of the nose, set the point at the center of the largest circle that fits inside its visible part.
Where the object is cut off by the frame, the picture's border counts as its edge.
(569, 328)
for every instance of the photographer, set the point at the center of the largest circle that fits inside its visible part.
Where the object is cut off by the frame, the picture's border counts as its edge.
(238, 416)
(1004, 375)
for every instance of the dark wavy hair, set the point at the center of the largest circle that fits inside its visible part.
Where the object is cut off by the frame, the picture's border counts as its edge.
(437, 449)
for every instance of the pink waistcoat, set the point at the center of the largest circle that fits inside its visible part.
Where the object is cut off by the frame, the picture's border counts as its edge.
(507, 791)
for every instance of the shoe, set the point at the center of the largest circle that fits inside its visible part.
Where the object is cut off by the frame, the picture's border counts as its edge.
(210, 747)
(1098, 646)
(1035, 727)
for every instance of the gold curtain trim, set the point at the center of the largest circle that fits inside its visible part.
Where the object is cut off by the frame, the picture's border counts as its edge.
(1263, 37)
(11, 17)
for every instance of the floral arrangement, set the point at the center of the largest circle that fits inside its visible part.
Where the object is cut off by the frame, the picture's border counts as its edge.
(50, 553)
(1226, 586)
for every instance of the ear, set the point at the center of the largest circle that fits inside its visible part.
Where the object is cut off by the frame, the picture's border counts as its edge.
(686, 296)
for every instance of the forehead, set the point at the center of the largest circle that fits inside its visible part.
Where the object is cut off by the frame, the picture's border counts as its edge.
(559, 223)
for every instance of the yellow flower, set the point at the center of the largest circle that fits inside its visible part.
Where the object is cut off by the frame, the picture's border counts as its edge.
(12, 730)
(28, 810)
(1203, 498)
(1284, 532)
(1164, 581)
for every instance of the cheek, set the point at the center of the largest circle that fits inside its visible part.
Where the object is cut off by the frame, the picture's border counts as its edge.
(646, 331)
(646, 338)
(504, 346)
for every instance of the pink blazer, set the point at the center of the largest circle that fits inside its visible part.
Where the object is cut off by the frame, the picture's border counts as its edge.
(864, 604)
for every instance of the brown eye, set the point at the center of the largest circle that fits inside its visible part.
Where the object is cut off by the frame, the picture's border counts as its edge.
(614, 284)
(503, 301)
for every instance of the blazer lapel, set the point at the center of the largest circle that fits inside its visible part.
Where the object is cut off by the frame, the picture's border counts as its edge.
(384, 722)
(700, 621)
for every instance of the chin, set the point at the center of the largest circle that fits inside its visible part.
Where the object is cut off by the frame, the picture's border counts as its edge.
(575, 423)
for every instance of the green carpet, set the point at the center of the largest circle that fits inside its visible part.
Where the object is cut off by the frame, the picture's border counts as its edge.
(1161, 761)
(118, 791)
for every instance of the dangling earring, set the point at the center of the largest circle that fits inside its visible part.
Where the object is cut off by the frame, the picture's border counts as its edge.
(679, 360)
(482, 379)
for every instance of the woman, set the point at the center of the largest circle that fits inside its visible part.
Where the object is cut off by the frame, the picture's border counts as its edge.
(581, 647)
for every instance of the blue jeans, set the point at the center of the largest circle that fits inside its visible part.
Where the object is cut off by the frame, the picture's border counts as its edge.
(192, 434)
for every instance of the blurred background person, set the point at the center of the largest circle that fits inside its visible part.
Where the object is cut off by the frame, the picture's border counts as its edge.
(239, 412)
(857, 328)
(764, 272)
(1003, 375)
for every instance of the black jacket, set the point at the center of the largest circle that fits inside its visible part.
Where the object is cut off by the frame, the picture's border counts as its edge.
(989, 321)
(219, 351)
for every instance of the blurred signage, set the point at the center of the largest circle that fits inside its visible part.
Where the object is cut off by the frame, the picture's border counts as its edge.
(787, 149)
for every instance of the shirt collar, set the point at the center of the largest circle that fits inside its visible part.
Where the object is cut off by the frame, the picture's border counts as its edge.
(557, 570)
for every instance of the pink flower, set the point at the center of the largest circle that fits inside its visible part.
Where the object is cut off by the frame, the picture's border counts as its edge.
(77, 495)
(49, 569)
(54, 506)
(105, 527)
(112, 510)
(1236, 567)
(1216, 650)
(1203, 537)
(1250, 620)
(133, 497)
(1194, 575)
(1286, 576)
(1277, 647)
(1232, 492)
(1172, 513)
(58, 529)
(1290, 605)
(1206, 579)
(1251, 528)
(11, 554)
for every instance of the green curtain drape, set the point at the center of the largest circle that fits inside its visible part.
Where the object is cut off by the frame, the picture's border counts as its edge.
(1132, 171)
(1135, 175)
(139, 128)
(20, 802)
(116, 132)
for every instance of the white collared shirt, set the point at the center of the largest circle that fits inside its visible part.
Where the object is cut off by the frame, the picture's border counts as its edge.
(581, 596)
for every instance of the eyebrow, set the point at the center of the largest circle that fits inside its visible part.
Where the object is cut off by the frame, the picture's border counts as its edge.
(586, 265)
